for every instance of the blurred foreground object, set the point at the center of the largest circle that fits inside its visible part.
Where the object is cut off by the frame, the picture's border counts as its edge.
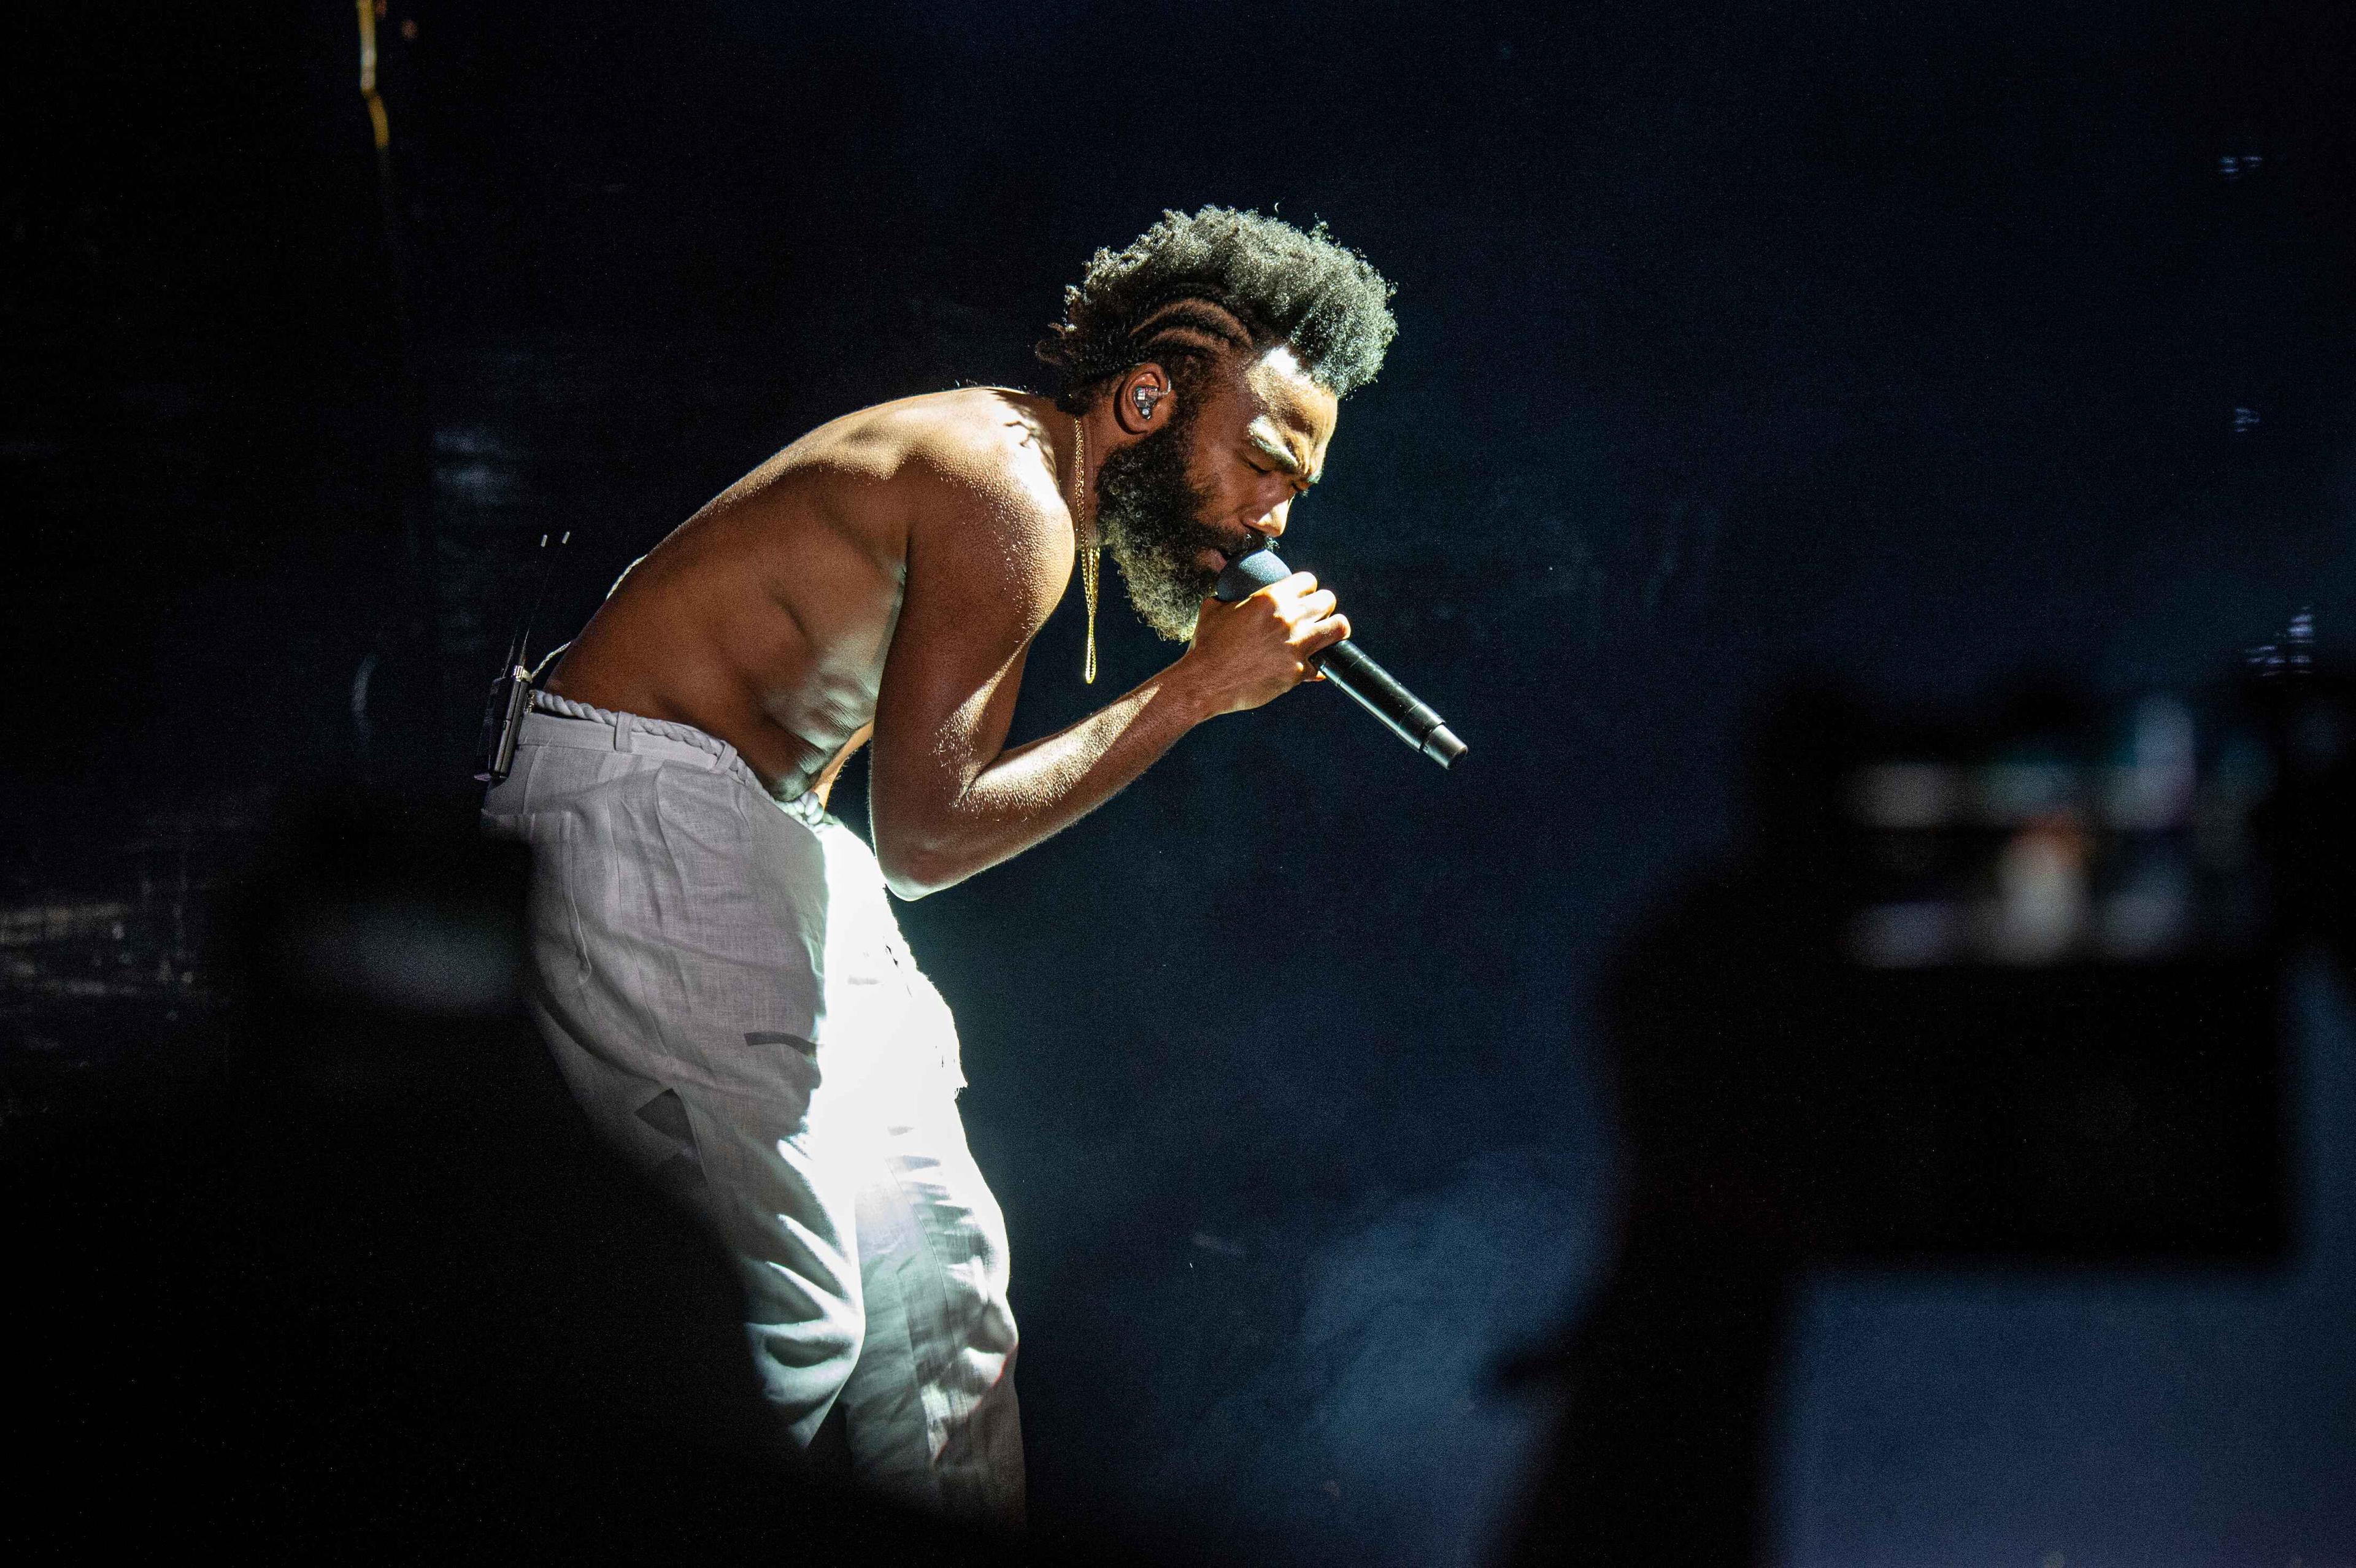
(2002, 991)
(387, 1289)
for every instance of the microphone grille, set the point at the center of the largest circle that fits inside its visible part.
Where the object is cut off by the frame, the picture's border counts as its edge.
(1246, 574)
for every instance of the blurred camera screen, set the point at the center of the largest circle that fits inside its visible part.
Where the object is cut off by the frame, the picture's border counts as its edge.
(2128, 843)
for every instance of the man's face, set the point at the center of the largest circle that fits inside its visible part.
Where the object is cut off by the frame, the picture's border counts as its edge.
(1214, 483)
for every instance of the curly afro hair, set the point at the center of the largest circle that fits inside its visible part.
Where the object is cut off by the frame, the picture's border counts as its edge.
(1190, 289)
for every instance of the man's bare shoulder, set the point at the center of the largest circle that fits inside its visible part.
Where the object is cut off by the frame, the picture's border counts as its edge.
(976, 444)
(971, 477)
(967, 477)
(977, 439)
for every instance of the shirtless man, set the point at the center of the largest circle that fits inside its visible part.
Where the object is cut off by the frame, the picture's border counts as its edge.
(717, 968)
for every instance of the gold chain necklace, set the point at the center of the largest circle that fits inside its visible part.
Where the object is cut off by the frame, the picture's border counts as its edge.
(1089, 542)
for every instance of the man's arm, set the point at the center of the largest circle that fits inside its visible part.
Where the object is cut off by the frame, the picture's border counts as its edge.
(946, 799)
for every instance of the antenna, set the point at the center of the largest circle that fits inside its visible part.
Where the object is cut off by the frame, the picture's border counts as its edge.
(547, 573)
(511, 694)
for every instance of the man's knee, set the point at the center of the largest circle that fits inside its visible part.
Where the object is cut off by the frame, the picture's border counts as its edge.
(805, 1361)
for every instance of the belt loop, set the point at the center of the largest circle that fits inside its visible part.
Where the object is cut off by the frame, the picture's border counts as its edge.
(622, 733)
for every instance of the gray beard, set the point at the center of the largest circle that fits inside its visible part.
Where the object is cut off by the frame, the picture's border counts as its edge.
(1148, 513)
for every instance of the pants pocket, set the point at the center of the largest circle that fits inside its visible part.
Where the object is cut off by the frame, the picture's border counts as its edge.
(560, 947)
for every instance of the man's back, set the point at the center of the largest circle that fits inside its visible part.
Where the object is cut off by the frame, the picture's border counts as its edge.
(766, 619)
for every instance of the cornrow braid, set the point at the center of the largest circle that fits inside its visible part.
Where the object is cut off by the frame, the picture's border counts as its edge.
(1187, 334)
(1191, 289)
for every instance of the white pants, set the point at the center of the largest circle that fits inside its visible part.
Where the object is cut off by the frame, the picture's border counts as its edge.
(728, 995)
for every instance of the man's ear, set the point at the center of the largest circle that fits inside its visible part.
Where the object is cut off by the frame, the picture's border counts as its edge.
(1144, 401)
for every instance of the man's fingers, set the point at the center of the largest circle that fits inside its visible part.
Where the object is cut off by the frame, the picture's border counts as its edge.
(1323, 635)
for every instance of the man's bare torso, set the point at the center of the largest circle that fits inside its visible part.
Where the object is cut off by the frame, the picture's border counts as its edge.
(767, 617)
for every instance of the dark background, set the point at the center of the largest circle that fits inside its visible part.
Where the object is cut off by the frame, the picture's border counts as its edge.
(1925, 344)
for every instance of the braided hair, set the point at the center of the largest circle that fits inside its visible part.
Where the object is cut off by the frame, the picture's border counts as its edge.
(1191, 290)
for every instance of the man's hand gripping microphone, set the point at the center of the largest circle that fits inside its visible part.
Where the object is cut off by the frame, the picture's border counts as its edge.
(1347, 667)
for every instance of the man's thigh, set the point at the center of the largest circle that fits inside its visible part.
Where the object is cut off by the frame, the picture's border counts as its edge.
(680, 921)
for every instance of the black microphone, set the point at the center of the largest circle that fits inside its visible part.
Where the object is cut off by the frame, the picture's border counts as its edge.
(1347, 667)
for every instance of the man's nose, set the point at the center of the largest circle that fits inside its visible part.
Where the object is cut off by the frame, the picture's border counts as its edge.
(1271, 522)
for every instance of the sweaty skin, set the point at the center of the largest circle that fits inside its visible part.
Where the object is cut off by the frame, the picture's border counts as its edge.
(884, 574)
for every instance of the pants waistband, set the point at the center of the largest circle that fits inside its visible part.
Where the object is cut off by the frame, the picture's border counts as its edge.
(632, 733)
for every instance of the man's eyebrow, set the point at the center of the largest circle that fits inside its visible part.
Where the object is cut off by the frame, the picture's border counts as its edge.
(1277, 452)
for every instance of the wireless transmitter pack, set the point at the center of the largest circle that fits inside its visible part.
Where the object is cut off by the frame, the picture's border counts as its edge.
(511, 694)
